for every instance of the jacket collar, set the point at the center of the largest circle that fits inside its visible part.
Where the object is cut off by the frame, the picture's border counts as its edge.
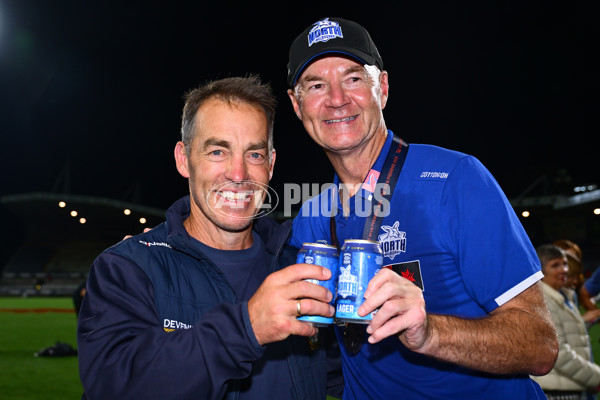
(558, 296)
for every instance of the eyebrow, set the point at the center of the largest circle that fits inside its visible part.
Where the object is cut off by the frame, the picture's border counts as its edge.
(351, 70)
(216, 142)
(257, 146)
(356, 68)
(226, 144)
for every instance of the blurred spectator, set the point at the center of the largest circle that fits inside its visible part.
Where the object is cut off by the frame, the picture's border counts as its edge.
(570, 247)
(575, 282)
(589, 289)
(573, 253)
(574, 373)
(575, 278)
(78, 294)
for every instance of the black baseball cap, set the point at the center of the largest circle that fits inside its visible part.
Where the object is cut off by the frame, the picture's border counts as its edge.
(331, 35)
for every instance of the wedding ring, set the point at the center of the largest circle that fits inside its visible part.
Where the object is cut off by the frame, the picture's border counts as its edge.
(298, 308)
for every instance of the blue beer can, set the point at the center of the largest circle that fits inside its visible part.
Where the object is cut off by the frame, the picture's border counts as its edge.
(326, 256)
(360, 260)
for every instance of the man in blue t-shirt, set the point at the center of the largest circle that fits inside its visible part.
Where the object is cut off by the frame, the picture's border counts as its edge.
(464, 317)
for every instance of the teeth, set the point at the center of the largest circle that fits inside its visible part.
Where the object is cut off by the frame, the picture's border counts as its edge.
(235, 195)
(333, 121)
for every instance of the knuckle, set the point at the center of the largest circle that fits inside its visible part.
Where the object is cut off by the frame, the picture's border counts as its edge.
(269, 279)
(323, 292)
(307, 306)
(304, 286)
(386, 307)
(282, 325)
(278, 308)
(286, 325)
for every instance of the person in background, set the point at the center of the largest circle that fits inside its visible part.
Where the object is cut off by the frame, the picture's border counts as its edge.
(570, 247)
(77, 297)
(590, 290)
(576, 281)
(574, 375)
(205, 305)
(574, 258)
(471, 323)
(575, 278)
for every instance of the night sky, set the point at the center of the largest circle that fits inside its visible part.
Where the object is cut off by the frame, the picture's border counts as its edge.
(94, 88)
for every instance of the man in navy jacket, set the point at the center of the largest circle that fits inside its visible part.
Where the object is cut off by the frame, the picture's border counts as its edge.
(201, 307)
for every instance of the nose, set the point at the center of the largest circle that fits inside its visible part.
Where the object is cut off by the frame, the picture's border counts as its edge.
(237, 170)
(337, 95)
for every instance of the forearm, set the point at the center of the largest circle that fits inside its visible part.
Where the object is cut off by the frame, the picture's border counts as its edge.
(517, 337)
(502, 344)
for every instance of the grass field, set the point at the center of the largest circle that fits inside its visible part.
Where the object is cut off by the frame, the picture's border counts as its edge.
(23, 376)
(31, 324)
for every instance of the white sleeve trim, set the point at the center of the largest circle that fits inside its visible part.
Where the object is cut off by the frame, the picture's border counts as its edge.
(515, 290)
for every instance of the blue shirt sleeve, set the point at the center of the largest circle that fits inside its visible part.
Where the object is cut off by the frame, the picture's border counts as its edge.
(593, 283)
(496, 257)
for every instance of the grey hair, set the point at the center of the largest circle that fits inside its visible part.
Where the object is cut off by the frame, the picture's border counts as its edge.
(248, 90)
(548, 252)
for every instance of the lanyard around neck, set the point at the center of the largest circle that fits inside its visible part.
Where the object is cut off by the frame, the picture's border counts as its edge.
(380, 203)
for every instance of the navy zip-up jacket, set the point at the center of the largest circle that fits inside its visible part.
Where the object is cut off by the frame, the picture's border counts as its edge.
(160, 321)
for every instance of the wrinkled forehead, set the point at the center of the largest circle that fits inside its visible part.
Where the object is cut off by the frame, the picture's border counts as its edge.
(344, 65)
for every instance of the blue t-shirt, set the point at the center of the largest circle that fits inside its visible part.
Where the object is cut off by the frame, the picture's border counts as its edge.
(449, 214)
(245, 270)
(593, 283)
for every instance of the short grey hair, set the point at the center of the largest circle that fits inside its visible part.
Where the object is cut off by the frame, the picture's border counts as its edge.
(248, 90)
(549, 252)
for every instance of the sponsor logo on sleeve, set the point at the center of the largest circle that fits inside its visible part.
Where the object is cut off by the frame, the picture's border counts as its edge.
(410, 270)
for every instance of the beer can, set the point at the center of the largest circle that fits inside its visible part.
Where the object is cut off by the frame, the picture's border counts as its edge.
(360, 260)
(326, 256)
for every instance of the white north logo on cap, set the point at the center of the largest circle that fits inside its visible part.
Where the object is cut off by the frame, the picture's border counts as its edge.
(323, 31)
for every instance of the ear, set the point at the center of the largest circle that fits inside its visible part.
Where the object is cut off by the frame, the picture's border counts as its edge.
(272, 164)
(181, 159)
(295, 103)
(385, 88)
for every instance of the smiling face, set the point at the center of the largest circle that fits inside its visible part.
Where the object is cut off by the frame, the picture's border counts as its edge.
(340, 102)
(228, 166)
